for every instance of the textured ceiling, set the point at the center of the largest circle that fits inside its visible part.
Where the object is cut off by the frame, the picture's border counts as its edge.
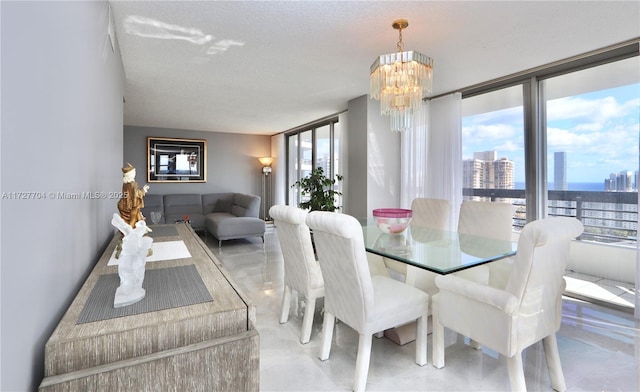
(262, 67)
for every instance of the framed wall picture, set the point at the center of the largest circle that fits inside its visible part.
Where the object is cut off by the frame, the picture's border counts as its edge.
(176, 160)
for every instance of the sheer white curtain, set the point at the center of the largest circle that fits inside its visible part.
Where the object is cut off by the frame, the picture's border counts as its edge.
(432, 155)
(444, 156)
(413, 158)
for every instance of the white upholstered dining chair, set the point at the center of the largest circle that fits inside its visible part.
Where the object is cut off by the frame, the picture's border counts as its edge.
(368, 304)
(488, 220)
(431, 213)
(301, 270)
(518, 310)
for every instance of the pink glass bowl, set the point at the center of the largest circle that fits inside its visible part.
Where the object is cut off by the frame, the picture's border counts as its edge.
(392, 220)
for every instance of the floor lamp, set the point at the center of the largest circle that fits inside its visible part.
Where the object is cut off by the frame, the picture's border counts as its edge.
(266, 186)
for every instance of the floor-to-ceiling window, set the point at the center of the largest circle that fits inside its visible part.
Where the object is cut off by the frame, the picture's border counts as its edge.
(564, 140)
(309, 147)
(493, 148)
(592, 126)
(582, 120)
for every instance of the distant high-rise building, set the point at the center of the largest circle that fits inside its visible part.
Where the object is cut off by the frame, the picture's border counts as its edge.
(609, 184)
(560, 171)
(485, 171)
(487, 156)
(624, 181)
(472, 173)
(503, 174)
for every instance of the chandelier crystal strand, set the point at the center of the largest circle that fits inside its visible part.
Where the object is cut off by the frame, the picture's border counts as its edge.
(400, 81)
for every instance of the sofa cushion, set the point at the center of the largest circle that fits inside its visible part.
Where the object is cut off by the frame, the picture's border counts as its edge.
(210, 202)
(223, 205)
(238, 211)
(153, 203)
(178, 205)
(226, 226)
(246, 205)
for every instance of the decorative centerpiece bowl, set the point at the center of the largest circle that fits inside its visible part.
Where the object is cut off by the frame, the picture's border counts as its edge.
(392, 220)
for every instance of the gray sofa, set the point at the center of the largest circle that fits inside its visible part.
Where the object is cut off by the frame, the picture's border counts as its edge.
(224, 215)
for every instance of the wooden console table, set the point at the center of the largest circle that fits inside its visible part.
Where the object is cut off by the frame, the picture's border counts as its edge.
(210, 346)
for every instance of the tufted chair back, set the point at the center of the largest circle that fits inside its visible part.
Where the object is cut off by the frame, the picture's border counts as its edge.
(301, 270)
(343, 261)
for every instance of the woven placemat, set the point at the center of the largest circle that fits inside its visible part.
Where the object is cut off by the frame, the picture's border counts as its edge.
(165, 288)
(163, 231)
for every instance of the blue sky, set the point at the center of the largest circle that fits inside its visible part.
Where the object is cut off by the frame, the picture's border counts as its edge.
(599, 131)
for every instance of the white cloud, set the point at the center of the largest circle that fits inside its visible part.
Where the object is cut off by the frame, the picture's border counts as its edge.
(562, 139)
(491, 131)
(589, 127)
(509, 146)
(589, 111)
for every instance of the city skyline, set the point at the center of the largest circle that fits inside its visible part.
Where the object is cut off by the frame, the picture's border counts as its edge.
(486, 171)
(598, 131)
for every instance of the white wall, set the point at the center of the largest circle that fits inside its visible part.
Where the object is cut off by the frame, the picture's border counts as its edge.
(62, 89)
(373, 174)
(355, 176)
(232, 160)
(604, 261)
(383, 161)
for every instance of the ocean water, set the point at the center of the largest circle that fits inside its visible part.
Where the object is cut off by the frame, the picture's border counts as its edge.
(573, 186)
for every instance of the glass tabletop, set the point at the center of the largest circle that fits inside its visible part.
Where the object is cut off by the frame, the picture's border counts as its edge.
(439, 251)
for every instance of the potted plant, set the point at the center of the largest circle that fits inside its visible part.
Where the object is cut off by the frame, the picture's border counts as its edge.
(320, 190)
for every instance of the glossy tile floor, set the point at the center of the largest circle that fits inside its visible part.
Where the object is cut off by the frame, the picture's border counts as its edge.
(606, 291)
(599, 347)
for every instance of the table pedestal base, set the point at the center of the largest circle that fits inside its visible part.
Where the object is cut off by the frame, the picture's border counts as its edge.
(402, 335)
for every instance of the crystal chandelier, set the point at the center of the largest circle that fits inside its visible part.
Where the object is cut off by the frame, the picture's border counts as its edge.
(400, 81)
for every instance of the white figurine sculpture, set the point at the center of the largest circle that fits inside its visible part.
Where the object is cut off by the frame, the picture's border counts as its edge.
(131, 269)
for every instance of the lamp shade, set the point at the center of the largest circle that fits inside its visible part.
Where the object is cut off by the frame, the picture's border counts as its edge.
(266, 161)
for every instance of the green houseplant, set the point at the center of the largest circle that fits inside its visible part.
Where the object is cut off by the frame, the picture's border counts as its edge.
(320, 190)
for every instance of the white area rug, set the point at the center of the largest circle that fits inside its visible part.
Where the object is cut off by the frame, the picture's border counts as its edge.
(168, 250)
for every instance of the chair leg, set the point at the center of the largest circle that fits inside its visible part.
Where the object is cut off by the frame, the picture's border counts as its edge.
(421, 341)
(550, 344)
(437, 336)
(286, 302)
(516, 372)
(327, 335)
(307, 321)
(362, 363)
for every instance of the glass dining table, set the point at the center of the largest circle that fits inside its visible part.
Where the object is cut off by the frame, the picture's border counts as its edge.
(442, 252)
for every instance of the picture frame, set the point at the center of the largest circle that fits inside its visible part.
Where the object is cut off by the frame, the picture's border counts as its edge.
(176, 160)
